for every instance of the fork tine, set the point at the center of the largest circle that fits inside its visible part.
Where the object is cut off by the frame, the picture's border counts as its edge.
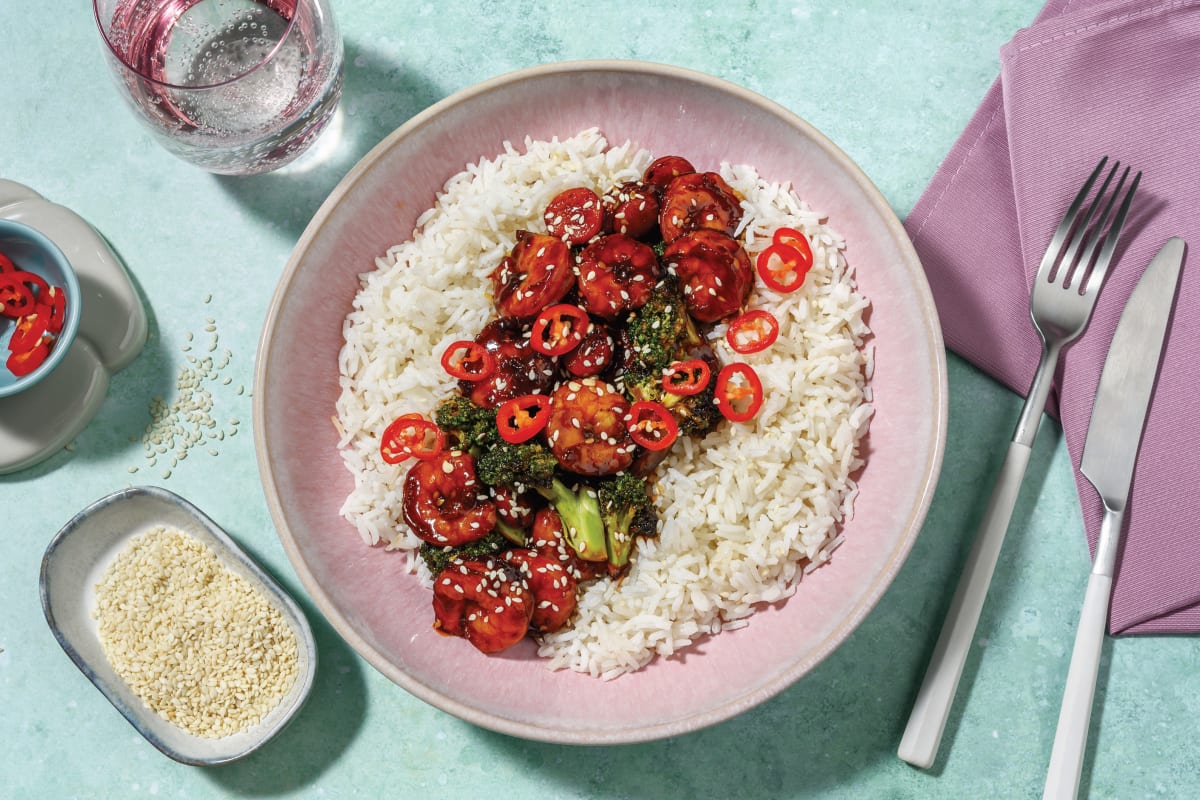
(1095, 236)
(1110, 241)
(1073, 266)
(1054, 249)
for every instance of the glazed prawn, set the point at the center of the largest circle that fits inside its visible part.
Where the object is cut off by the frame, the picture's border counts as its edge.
(488, 602)
(520, 369)
(699, 201)
(715, 271)
(586, 429)
(631, 208)
(554, 588)
(443, 503)
(535, 274)
(617, 273)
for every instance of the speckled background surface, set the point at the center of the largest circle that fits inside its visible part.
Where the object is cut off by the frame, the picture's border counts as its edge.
(893, 84)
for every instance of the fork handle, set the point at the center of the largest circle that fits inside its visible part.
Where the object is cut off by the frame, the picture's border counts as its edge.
(1070, 739)
(923, 734)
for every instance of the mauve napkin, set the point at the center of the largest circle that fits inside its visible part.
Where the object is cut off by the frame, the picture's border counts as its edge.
(1087, 79)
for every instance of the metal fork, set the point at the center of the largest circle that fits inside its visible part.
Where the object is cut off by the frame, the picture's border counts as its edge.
(1063, 296)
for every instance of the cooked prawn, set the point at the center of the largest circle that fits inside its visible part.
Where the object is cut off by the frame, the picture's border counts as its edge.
(715, 271)
(699, 201)
(444, 504)
(617, 273)
(486, 601)
(535, 274)
(554, 588)
(586, 430)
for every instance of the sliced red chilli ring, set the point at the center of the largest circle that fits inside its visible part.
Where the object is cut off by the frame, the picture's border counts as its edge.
(30, 328)
(23, 363)
(687, 377)
(16, 297)
(468, 361)
(559, 329)
(651, 425)
(797, 241)
(739, 392)
(411, 435)
(752, 332)
(522, 418)
(783, 267)
(574, 215)
(56, 310)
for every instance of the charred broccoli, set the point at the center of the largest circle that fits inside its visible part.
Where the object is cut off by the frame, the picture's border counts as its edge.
(627, 511)
(533, 466)
(474, 426)
(662, 331)
(528, 465)
(436, 558)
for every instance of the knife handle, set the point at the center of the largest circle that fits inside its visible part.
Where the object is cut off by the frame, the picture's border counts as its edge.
(923, 734)
(1070, 739)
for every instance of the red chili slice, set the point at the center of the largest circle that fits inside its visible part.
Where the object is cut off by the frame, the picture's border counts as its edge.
(522, 418)
(574, 215)
(29, 330)
(739, 392)
(783, 267)
(651, 425)
(56, 310)
(795, 240)
(411, 435)
(687, 377)
(752, 332)
(23, 363)
(468, 361)
(16, 297)
(559, 329)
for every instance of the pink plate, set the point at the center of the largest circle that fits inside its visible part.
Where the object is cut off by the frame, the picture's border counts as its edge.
(383, 613)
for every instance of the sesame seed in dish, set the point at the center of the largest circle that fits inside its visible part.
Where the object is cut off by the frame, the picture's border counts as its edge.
(199, 644)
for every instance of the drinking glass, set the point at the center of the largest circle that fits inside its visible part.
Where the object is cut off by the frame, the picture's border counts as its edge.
(237, 87)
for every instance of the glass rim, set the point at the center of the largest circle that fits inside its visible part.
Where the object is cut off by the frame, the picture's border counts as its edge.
(192, 88)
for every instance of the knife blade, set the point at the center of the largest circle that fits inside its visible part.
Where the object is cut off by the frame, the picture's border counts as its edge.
(1109, 456)
(1128, 376)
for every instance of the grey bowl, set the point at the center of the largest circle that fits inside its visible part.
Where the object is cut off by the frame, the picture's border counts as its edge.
(74, 563)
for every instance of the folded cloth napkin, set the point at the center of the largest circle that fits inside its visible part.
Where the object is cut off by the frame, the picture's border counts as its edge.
(1087, 79)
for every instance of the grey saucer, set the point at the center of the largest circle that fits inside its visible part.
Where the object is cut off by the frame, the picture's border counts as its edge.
(112, 331)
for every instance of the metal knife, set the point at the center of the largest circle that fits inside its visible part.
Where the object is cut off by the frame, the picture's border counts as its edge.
(1109, 454)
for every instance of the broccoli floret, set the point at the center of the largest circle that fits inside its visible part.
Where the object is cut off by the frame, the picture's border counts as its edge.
(695, 414)
(579, 510)
(436, 558)
(518, 465)
(662, 331)
(627, 512)
(533, 466)
(475, 427)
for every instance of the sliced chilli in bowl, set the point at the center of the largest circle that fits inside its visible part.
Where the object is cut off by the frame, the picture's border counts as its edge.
(37, 312)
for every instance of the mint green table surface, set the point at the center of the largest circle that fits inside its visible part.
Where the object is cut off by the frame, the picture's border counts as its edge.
(893, 83)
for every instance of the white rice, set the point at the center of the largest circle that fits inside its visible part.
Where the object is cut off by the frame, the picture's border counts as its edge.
(745, 513)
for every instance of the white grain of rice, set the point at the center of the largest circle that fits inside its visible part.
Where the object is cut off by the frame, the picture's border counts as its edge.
(745, 514)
